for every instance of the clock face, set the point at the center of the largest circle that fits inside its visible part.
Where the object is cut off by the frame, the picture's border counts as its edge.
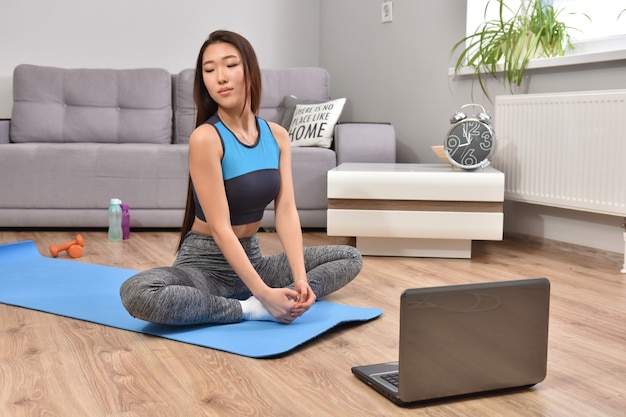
(469, 144)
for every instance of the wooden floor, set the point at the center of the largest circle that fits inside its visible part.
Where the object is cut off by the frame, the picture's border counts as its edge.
(55, 366)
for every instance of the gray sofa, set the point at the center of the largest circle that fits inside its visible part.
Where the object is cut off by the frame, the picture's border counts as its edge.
(78, 137)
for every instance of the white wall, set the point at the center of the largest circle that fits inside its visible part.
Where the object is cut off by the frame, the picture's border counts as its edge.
(148, 33)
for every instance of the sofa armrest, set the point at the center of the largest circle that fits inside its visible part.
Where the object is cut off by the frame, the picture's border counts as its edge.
(365, 142)
(4, 130)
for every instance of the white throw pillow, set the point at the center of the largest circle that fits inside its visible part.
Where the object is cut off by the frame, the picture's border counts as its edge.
(314, 124)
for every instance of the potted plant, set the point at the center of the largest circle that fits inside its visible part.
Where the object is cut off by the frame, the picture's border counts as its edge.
(508, 43)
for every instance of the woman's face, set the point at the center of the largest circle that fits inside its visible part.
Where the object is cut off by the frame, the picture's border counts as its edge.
(223, 75)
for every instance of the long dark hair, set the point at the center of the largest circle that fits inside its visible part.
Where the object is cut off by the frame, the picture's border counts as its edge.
(207, 107)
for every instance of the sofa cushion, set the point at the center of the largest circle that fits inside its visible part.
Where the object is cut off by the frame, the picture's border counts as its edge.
(184, 106)
(314, 124)
(91, 105)
(88, 175)
(310, 168)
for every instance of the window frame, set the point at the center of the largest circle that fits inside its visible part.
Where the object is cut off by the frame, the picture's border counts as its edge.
(585, 51)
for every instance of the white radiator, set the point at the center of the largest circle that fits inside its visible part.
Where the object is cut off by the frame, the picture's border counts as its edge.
(565, 150)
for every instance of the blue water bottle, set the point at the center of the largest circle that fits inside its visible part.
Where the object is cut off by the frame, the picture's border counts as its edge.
(115, 220)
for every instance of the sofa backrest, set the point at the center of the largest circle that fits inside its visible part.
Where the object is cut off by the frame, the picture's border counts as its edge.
(91, 105)
(184, 107)
(306, 82)
(146, 105)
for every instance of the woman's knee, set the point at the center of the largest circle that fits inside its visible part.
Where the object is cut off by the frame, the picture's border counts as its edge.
(139, 291)
(354, 256)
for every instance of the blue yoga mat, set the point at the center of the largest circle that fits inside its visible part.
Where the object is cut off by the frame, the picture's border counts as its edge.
(91, 292)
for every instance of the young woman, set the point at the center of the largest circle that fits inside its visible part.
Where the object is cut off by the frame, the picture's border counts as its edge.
(238, 164)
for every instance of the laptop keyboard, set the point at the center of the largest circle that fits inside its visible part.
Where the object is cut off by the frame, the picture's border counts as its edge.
(392, 378)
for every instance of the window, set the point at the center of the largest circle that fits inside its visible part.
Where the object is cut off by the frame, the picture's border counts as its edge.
(606, 31)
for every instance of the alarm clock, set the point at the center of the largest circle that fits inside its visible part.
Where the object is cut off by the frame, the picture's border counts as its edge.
(470, 143)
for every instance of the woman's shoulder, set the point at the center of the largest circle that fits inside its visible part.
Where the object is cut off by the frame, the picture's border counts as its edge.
(205, 134)
(205, 129)
(208, 127)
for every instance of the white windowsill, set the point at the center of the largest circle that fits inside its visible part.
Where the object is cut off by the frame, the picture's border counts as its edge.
(561, 61)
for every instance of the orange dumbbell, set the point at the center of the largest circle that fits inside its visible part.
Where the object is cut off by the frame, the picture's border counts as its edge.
(74, 248)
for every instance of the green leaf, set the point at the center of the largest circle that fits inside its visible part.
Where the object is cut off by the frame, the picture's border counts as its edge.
(509, 43)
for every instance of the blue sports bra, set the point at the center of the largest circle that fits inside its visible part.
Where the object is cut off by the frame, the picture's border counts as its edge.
(250, 173)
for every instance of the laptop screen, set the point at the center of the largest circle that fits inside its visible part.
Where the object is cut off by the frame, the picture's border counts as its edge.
(471, 338)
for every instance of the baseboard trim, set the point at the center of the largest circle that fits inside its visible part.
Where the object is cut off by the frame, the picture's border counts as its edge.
(564, 247)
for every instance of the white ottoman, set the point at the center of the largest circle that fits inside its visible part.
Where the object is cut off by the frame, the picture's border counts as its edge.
(423, 210)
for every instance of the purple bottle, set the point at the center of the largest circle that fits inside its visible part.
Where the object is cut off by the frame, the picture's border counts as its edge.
(125, 221)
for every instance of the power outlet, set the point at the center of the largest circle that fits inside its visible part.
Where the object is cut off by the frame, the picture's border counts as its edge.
(386, 11)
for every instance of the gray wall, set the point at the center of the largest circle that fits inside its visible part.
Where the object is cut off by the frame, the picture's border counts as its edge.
(395, 72)
(398, 72)
(148, 33)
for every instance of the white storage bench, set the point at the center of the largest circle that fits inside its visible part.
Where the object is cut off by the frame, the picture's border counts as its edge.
(421, 210)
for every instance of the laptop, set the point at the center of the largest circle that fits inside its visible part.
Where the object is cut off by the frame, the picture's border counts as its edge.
(466, 339)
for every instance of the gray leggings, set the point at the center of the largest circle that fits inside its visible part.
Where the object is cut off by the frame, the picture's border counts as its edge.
(201, 287)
